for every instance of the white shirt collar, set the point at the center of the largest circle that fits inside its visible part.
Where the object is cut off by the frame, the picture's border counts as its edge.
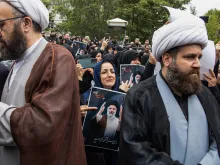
(29, 50)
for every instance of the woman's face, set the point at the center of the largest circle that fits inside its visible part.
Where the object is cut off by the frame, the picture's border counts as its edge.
(136, 61)
(98, 57)
(107, 75)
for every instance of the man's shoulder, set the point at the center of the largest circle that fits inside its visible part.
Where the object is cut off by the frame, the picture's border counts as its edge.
(58, 51)
(204, 92)
(61, 49)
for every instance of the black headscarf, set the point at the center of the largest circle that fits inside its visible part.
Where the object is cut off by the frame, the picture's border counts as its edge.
(94, 53)
(125, 57)
(108, 56)
(4, 71)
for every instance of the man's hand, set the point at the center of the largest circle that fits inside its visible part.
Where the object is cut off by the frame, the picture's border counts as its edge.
(85, 108)
(104, 44)
(210, 78)
(152, 59)
(101, 109)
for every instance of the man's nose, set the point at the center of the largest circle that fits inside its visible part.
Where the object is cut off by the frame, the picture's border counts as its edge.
(196, 63)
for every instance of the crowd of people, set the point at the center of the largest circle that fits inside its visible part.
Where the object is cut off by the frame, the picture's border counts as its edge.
(167, 118)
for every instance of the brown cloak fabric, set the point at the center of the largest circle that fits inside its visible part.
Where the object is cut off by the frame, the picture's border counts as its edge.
(47, 129)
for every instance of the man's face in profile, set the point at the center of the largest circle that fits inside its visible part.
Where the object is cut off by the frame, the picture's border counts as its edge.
(111, 110)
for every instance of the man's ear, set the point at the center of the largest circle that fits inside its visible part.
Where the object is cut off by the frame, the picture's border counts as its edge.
(167, 59)
(27, 25)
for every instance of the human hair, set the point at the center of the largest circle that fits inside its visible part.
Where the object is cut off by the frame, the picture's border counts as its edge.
(172, 52)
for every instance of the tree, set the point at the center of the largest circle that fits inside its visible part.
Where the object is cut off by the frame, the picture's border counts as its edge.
(88, 17)
(193, 10)
(213, 26)
(145, 16)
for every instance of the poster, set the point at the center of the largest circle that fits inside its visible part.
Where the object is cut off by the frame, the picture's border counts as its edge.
(131, 73)
(101, 128)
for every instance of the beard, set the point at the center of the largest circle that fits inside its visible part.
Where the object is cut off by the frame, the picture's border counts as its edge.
(111, 115)
(15, 47)
(185, 83)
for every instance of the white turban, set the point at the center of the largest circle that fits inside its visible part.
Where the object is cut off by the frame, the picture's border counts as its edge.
(183, 29)
(34, 9)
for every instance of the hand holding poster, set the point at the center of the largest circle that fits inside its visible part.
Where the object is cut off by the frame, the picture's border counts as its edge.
(101, 128)
(131, 73)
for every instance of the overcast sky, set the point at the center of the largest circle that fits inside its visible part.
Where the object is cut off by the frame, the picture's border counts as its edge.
(202, 6)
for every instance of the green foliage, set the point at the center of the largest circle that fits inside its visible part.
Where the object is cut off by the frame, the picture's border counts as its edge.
(89, 17)
(213, 26)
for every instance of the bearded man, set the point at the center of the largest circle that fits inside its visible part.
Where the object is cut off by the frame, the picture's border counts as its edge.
(106, 125)
(40, 120)
(171, 119)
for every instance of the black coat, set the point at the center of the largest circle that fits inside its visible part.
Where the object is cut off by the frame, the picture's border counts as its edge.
(4, 71)
(145, 128)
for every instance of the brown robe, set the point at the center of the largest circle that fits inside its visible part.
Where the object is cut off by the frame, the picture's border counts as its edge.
(47, 129)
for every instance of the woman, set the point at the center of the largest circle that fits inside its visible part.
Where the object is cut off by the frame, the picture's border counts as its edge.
(104, 77)
(126, 57)
(96, 54)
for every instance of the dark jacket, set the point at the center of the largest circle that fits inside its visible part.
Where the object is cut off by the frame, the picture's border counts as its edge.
(4, 71)
(145, 128)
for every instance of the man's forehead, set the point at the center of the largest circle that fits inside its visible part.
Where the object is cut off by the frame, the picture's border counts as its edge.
(5, 10)
(192, 48)
(112, 105)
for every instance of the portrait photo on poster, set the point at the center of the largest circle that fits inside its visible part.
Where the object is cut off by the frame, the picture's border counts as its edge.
(101, 128)
(131, 73)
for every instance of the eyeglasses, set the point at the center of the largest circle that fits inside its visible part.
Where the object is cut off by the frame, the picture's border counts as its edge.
(2, 21)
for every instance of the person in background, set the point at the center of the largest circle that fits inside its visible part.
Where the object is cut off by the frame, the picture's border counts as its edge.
(126, 57)
(96, 54)
(4, 71)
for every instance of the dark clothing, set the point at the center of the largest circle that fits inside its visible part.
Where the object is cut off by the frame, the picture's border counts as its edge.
(216, 92)
(94, 53)
(216, 68)
(72, 51)
(4, 71)
(148, 71)
(109, 56)
(85, 84)
(97, 130)
(145, 127)
(144, 59)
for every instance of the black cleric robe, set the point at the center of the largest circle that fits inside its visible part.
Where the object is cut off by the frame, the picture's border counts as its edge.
(145, 127)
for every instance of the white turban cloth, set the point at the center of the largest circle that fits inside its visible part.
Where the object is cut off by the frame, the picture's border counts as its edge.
(182, 30)
(34, 9)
